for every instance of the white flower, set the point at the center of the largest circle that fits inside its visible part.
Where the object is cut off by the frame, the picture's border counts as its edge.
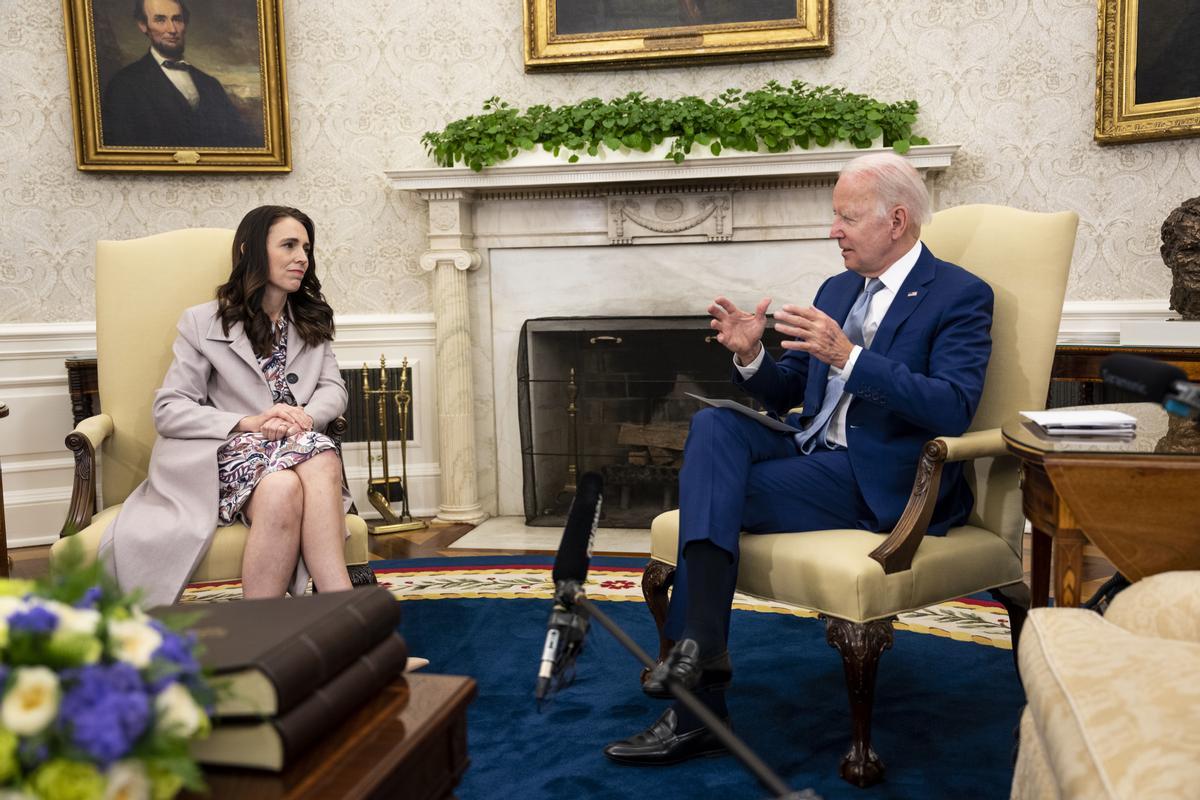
(127, 780)
(73, 620)
(133, 642)
(177, 712)
(32, 702)
(10, 604)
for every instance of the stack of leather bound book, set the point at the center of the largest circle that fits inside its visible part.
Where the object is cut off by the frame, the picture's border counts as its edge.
(289, 671)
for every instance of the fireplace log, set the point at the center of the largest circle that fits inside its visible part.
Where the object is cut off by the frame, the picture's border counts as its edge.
(663, 456)
(666, 435)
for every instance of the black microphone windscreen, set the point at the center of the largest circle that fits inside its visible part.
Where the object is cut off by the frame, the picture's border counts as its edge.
(575, 549)
(1143, 376)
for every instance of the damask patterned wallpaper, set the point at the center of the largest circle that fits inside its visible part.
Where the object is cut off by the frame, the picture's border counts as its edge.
(1011, 80)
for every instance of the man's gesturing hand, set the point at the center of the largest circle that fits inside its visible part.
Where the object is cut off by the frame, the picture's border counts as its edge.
(819, 335)
(739, 331)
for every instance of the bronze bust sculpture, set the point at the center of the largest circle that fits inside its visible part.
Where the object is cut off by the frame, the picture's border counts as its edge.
(1181, 252)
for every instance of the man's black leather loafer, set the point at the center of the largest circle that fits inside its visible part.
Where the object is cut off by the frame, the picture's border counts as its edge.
(662, 744)
(684, 664)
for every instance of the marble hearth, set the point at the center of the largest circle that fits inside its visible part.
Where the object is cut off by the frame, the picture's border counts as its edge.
(608, 239)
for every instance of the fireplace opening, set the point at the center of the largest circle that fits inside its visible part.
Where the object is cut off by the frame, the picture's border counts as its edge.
(610, 395)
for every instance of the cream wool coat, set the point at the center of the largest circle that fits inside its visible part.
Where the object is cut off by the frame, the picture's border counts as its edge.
(166, 525)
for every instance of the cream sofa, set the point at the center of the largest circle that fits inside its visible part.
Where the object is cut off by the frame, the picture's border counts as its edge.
(1114, 701)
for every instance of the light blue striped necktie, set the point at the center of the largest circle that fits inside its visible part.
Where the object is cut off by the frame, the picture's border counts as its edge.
(814, 435)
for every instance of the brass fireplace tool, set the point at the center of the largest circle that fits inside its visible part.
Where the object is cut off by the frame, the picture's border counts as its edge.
(380, 490)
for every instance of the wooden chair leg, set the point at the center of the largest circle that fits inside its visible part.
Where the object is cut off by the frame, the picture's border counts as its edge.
(860, 644)
(656, 579)
(1016, 599)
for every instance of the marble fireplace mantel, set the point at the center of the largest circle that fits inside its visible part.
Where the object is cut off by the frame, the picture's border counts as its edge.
(497, 248)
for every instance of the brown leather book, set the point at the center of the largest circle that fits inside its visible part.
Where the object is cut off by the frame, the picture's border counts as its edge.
(274, 743)
(269, 655)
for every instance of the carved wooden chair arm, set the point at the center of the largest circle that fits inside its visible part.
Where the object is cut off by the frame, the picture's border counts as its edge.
(336, 429)
(83, 441)
(896, 552)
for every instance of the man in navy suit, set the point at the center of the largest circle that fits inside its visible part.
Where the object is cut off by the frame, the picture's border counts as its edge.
(160, 100)
(891, 354)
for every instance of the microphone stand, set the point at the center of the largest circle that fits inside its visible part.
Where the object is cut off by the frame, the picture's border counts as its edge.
(770, 781)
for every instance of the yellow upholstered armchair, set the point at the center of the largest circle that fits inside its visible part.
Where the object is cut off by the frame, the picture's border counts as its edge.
(859, 581)
(142, 286)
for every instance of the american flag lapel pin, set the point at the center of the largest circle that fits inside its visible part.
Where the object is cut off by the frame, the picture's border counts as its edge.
(911, 294)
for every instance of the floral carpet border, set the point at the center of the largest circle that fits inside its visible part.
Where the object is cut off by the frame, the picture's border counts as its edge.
(966, 619)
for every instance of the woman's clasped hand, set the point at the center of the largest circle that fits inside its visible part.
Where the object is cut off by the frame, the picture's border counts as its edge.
(278, 422)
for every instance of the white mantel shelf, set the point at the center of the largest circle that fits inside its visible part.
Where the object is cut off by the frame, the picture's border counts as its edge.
(796, 164)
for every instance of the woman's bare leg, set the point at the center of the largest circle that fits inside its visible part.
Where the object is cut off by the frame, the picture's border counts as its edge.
(273, 544)
(323, 526)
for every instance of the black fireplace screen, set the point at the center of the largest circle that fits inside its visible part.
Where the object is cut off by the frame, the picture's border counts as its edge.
(609, 395)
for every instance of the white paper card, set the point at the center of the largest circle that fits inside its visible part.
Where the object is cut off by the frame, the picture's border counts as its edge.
(1083, 422)
(1081, 418)
(757, 416)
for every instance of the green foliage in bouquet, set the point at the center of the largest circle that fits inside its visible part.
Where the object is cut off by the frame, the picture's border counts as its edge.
(98, 699)
(776, 116)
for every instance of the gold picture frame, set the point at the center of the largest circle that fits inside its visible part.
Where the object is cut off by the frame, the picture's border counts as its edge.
(1155, 95)
(612, 34)
(215, 101)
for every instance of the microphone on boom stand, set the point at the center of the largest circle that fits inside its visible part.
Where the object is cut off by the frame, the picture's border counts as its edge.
(1153, 380)
(568, 625)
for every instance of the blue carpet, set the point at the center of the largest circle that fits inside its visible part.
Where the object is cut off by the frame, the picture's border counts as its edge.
(945, 711)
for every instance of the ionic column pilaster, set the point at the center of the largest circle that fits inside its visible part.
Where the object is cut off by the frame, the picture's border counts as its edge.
(449, 258)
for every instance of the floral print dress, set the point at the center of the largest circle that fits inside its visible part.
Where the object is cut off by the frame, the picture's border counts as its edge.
(247, 458)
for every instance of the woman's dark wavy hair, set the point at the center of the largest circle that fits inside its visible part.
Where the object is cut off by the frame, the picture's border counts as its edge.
(239, 299)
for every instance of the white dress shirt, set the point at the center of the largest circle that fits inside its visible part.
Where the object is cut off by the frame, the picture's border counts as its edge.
(892, 278)
(182, 79)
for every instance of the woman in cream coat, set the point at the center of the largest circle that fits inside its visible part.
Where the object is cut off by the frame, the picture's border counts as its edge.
(238, 416)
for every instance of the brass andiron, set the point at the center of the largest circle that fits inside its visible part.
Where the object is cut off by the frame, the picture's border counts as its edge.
(572, 435)
(379, 490)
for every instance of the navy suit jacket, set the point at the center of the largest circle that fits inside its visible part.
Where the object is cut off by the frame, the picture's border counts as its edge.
(142, 108)
(921, 378)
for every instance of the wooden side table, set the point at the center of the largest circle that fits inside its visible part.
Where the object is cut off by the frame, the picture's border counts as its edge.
(1136, 500)
(83, 387)
(410, 742)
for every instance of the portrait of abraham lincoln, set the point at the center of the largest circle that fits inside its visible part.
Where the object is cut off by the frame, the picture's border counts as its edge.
(179, 74)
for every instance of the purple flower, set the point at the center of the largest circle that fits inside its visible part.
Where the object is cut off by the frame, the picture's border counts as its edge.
(174, 659)
(104, 710)
(176, 648)
(90, 598)
(34, 620)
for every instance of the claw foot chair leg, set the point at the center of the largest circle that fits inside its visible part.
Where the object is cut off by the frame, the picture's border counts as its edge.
(860, 644)
(656, 579)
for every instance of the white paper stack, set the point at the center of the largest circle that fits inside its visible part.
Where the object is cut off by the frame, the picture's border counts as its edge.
(1083, 422)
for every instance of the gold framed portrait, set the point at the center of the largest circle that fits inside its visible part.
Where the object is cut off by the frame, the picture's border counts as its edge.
(611, 34)
(1147, 70)
(178, 85)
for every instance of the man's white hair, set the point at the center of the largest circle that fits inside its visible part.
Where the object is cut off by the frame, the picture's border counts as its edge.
(897, 183)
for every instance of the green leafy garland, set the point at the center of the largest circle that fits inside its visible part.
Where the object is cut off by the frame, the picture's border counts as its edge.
(780, 117)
